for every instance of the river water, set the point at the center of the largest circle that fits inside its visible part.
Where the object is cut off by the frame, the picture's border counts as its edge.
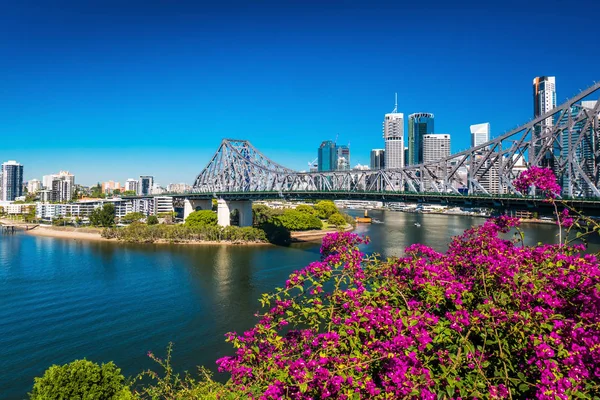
(65, 299)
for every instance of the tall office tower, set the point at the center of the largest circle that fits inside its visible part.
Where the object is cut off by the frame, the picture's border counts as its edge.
(327, 156)
(131, 185)
(11, 181)
(480, 133)
(393, 134)
(377, 159)
(435, 147)
(544, 97)
(419, 124)
(343, 157)
(34, 185)
(145, 185)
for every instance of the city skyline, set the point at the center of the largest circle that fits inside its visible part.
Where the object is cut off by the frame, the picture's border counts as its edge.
(111, 108)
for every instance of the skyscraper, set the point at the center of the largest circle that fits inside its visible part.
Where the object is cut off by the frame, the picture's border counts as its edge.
(480, 133)
(393, 134)
(343, 157)
(435, 147)
(544, 97)
(419, 124)
(377, 159)
(11, 181)
(131, 185)
(327, 156)
(145, 186)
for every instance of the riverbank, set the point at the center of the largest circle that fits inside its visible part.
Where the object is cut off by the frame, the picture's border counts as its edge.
(310, 236)
(67, 232)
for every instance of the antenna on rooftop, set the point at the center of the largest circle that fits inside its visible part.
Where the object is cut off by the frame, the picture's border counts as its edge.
(395, 104)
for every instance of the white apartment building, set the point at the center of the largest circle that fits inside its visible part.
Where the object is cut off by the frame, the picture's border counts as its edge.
(480, 134)
(544, 97)
(132, 185)
(178, 188)
(163, 204)
(435, 147)
(393, 134)
(34, 185)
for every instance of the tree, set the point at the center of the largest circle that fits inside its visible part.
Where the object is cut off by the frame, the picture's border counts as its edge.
(201, 218)
(152, 220)
(305, 208)
(325, 208)
(117, 192)
(129, 193)
(337, 220)
(294, 220)
(104, 216)
(132, 217)
(81, 379)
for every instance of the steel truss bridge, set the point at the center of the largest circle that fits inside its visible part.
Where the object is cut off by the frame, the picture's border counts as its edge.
(566, 139)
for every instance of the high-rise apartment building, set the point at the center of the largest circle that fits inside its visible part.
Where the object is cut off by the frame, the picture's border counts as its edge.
(377, 159)
(393, 134)
(327, 156)
(480, 134)
(343, 157)
(110, 186)
(145, 185)
(131, 185)
(11, 181)
(435, 147)
(34, 185)
(61, 191)
(419, 124)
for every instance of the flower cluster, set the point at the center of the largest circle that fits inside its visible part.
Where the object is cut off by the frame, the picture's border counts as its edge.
(541, 178)
(485, 319)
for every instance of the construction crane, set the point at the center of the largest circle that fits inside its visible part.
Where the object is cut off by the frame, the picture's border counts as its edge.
(311, 164)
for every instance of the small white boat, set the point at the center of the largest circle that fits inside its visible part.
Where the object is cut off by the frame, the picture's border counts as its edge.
(418, 225)
(376, 221)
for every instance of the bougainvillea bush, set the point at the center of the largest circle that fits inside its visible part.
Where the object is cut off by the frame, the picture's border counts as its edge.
(489, 318)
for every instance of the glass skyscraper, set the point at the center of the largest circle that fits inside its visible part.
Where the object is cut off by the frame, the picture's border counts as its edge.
(419, 124)
(327, 157)
(11, 181)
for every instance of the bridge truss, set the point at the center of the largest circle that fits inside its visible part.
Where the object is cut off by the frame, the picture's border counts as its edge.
(566, 139)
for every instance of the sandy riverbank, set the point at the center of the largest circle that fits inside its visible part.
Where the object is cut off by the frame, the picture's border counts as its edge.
(69, 233)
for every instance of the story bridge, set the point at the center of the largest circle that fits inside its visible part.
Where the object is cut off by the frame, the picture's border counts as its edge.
(566, 139)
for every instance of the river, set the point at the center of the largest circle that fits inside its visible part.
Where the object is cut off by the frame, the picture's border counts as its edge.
(66, 299)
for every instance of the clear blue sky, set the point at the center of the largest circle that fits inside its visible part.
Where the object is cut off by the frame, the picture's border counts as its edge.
(118, 89)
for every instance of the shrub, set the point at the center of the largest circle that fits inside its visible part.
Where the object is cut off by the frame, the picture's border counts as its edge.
(201, 218)
(81, 379)
(132, 217)
(276, 233)
(152, 220)
(293, 220)
(487, 318)
(305, 208)
(337, 220)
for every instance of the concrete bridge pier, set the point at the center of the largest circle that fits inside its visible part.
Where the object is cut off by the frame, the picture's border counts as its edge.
(190, 205)
(243, 209)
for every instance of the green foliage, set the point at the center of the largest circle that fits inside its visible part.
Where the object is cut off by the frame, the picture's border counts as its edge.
(132, 217)
(96, 191)
(337, 220)
(305, 208)
(201, 218)
(261, 214)
(61, 221)
(129, 193)
(215, 204)
(350, 220)
(152, 220)
(293, 220)
(325, 208)
(104, 216)
(276, 233)
(83, 380)
(142, 233)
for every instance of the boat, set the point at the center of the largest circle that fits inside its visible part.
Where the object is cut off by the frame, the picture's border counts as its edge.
(364, 220)
(376, 221)
(418, 225)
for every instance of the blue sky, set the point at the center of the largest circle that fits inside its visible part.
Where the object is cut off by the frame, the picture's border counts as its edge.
(110, 90)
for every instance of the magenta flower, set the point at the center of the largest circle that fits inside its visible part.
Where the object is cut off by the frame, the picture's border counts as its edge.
(564, 219)
(541, 178)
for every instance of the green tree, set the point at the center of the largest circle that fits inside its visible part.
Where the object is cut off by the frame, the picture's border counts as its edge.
(294, 220)
(132, 217)
(104, 216)
(81, 379)
(96, 191)
(152, 220)
(337, 220)
(306, 209)
(129, 193)
(201, 218)
(325, 208)
(117, 192)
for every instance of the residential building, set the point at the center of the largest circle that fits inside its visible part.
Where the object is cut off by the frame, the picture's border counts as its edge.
(110, 186)
(327, 156)
(480, 134)
(61, 190)
(343, 157)
(419, 124)
(178, 188)
(11, 181)
(34, 185)
(544, 97)
(45, 195)
(163, 204)
(157, 189)
(377, 159)
(145, 185)
(393, 134)
(132, 185)
(63, 175)
(435, 147)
